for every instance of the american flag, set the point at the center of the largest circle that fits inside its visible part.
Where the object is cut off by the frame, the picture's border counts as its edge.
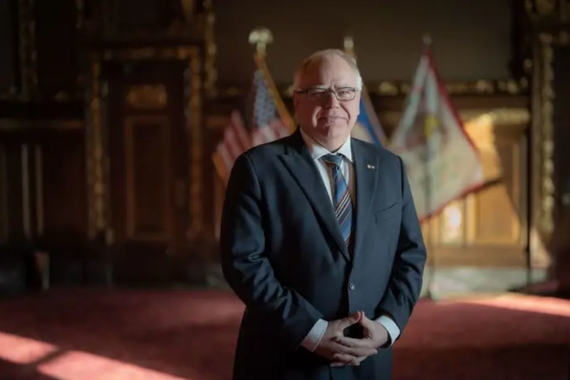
(236, 140)
(264, 122)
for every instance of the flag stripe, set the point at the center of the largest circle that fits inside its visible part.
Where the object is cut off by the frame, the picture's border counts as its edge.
(264, 123)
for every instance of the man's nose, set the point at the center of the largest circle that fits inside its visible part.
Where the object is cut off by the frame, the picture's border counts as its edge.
(331, 101)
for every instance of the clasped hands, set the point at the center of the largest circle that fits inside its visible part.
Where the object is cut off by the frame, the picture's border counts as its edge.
(342, 350)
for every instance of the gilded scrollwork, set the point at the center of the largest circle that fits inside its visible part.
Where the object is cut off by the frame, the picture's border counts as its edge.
(544, 190)
(95, 152)
(194, 126)
(210, 50)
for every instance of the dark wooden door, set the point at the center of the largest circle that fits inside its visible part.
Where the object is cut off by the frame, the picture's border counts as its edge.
(148, 152)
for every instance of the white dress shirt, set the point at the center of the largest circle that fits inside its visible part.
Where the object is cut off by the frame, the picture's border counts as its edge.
(317, 151)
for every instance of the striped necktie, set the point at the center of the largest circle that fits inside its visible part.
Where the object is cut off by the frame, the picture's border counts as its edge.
(341, 197)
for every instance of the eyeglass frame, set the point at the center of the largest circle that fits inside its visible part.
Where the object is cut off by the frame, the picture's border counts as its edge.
(330, 91)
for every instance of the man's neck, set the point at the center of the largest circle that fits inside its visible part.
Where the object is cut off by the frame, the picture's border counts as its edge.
(332, 145)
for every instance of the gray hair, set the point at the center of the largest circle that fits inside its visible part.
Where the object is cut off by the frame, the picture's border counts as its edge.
(324, 54)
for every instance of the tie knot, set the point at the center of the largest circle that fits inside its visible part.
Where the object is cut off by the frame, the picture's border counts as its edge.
(334, 159)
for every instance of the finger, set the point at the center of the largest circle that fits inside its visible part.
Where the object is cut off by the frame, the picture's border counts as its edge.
(338, 364)
(346, 359)
(356, 362)
(343, 359)
(354, 343)
(366, 322)
(350, 320)
(360, 359)
(354, 351)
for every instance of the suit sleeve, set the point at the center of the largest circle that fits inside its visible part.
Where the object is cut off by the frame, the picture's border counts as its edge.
(406, 278)
(246, 266)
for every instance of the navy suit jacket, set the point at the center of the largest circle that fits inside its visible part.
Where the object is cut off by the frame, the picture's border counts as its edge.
(283, 254)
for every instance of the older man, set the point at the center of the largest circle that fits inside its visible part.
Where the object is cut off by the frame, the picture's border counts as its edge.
(321, 241)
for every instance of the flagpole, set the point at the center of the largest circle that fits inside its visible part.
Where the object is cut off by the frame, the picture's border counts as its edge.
(430, 294)
(260, 38)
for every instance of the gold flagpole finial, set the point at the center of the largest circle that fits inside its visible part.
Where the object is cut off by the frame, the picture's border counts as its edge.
(260, 38)
(349, 46)
(427, 40)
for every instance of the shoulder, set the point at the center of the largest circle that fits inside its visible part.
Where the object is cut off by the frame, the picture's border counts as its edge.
(264, 155)
(380, 153)
(267, 150)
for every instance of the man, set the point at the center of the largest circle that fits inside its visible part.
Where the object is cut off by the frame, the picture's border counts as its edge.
(321, 241)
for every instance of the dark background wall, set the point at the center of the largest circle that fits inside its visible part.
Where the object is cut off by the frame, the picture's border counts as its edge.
(472, 39)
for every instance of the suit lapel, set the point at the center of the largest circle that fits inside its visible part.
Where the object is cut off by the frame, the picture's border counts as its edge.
(365, 168)
(300, 164)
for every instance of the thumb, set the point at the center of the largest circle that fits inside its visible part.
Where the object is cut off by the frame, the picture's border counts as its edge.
(365, 322)
(352, 319)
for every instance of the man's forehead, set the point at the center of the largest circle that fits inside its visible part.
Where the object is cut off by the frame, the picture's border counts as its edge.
(328, 73)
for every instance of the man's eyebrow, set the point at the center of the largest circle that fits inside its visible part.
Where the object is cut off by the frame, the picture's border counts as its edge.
(322, 86)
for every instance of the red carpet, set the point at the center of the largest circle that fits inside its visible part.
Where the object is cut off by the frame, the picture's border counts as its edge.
(177, 334)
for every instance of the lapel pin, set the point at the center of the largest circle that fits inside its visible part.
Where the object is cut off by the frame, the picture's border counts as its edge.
(370, 166)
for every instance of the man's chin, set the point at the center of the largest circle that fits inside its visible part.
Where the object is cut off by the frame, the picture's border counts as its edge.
(332, 125)
(334, 130)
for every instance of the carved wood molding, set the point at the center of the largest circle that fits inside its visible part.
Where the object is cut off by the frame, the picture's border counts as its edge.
(96, 135)
(19, 125)
(543, 185)
(147, 96)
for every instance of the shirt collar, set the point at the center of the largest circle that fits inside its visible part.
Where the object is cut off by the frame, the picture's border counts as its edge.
(317, 150)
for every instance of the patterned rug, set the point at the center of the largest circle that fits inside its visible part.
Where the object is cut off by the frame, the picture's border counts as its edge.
(88, 334)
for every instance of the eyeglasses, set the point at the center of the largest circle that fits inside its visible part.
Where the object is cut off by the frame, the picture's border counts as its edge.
(343, 94)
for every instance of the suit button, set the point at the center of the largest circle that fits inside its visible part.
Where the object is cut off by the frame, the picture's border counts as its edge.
(351, 286)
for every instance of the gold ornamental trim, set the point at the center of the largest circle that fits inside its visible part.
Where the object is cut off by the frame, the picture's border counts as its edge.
(543, 185)
(147, 96)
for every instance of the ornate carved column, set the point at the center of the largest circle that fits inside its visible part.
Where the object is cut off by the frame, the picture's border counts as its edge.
(550, 33)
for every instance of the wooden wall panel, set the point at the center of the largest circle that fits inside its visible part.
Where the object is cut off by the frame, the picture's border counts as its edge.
(43, 186)
(3, 194)
(8, 46)
(64, 183)
(56, 45)
(148, 177)
(147, 15)
(497, 222)
(14, 186)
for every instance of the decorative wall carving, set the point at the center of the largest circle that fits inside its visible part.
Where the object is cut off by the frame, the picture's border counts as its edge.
(543, 133)
(147, 96)
(97, 158)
